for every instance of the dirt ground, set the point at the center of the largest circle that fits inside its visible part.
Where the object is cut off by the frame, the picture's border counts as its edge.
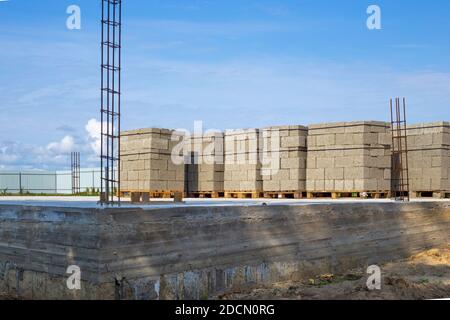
(423, 276)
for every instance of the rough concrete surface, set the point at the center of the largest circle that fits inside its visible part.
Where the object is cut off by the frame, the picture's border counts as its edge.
(197, 252)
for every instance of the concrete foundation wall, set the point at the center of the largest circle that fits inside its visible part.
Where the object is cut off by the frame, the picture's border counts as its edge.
(349, 157)
(195, 252)
(146, 162)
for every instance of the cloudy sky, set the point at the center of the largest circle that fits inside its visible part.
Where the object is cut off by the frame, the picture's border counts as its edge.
(229, 63)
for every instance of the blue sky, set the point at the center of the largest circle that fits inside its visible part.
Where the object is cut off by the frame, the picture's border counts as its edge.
(231, 64)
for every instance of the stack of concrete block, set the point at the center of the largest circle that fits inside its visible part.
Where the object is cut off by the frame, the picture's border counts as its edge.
(242, 165)
(205, 163)
(148, 163)
(429, 159)
(349, 157)
(284, 159)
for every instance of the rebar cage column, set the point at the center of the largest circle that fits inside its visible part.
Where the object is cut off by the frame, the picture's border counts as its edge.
(76, 172)
(111, 44)
(399, 158)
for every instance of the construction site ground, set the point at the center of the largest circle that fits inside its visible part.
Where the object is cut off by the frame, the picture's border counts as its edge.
(423, 276)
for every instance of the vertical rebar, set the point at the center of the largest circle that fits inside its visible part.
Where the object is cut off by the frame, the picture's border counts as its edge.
(119, 104)
(393, 172)
(108, 105)
(405, 132)
(75, 159)
(102, 101)
(79, 173)
(111, 100)
(399, 154)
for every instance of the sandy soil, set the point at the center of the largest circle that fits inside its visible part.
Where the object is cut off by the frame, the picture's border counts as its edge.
(423, 276)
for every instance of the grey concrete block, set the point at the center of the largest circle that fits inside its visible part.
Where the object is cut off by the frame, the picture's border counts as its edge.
(290, 185)
(334, 173)
(315, 174)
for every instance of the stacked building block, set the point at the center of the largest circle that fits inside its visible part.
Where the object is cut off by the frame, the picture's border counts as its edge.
(349, 157)
(337, 158)
(149, 163)
(429, 159)
(242, 165)
(205, 165)
(284, 160)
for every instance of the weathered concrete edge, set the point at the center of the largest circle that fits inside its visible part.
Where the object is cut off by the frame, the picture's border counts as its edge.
(188, 283)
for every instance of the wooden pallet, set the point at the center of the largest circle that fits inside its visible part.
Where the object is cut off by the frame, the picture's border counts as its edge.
(145, 196)
(243, 194)
(431, 194)
(347, 194)
(284, 195)
(205, 194)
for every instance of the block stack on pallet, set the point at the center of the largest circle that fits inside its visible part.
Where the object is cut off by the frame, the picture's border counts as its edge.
(349, 159)
(429, 159)
(242, 177)
(284, 161)
(205, 166)
(334, 159)
(147, 166)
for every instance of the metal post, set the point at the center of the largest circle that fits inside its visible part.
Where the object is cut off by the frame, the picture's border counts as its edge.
(400, 170)
(110, 100)
(406, 149)
(71, 172)
(76, 172)
(79, 172)
(102, 101)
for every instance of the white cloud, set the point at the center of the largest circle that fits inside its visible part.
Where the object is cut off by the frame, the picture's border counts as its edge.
(18, 156)
(55, 155)
(7, 155)
(93, 128)
(66, 145)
